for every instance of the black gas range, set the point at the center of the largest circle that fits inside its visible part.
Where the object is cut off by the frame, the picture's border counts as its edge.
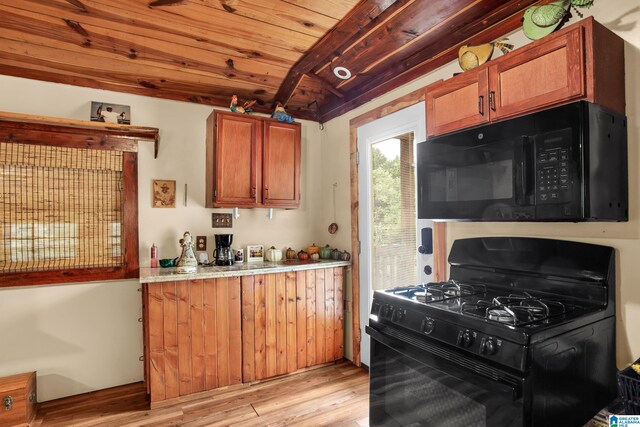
(523, 333)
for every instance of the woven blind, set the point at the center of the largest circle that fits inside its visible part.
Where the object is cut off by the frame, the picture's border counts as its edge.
(393, 212)
(60, 208)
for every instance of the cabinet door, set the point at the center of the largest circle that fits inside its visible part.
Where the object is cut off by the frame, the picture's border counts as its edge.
(281, 165)
(291, 321)
(457, 103)
(194, 336)
(543, 75)
(237, 148)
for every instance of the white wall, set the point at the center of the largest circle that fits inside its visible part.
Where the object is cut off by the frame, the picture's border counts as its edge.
(83, 337)
(622, 17)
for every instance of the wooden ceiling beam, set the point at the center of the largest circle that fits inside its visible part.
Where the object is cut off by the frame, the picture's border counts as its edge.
(176, 32)
(354, 23)
(326, 84)
(427, 60)
(413, 29)
(112, 46)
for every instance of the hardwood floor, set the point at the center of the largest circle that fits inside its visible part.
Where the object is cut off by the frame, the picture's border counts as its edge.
(333, 395)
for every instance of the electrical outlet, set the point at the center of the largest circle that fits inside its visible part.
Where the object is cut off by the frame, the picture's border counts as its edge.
(201, 243)
(221, 220)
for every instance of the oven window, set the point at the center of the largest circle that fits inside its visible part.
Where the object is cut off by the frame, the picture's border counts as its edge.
(418, 395)
(405, 392)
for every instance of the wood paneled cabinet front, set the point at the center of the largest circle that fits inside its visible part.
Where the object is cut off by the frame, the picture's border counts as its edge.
(583, 61)
(204, 334)
(252, 162)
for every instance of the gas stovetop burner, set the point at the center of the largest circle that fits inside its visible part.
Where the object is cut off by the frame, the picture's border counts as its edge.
(437, 291)
(515, 309)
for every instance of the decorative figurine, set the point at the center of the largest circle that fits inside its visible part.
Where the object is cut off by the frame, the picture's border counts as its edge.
(187, 262)
(472, 56)
(281, 115)
(542, 20)
(242, 109)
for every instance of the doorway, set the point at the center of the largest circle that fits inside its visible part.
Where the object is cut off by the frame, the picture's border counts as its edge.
(390, 232)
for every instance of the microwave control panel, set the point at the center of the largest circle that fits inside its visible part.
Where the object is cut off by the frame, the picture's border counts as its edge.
(553, 174)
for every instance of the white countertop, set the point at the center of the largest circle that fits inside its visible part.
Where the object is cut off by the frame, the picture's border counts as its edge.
(153, 275)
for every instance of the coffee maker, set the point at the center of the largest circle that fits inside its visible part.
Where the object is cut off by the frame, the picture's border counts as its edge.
(223, 253)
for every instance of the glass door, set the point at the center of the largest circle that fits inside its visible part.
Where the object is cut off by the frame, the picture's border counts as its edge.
(390, 232)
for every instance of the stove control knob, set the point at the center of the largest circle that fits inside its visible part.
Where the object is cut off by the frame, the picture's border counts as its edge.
(398, 315)
(428, 325)
(385, 310)
(467, 338)
(490, 346)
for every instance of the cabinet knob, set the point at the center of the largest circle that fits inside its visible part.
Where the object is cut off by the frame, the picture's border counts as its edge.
(481, 105)
(8, 403)
(492, 100)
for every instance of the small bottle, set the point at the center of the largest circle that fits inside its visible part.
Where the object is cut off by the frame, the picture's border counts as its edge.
(154, 256)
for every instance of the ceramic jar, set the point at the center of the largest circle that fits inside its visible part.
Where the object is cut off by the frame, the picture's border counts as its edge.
(274, 255)
(325, 252)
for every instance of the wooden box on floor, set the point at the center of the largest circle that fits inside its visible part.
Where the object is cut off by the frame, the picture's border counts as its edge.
(18, 399)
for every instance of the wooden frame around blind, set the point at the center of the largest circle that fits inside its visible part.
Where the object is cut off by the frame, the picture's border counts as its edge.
(26, 129)
(439, 252)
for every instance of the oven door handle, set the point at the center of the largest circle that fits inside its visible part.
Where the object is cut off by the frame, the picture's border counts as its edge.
(449, 367)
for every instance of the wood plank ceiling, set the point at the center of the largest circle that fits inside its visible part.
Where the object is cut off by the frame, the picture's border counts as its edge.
(205, 51)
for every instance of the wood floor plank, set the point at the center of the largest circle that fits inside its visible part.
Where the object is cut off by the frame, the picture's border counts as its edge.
(336, 394)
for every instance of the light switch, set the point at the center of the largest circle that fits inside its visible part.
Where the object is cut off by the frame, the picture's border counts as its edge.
(221, 220)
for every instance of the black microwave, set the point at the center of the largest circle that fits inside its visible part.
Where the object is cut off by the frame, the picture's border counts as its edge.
(567, 163)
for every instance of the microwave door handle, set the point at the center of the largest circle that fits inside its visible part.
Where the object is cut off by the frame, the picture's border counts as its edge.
(524, 189)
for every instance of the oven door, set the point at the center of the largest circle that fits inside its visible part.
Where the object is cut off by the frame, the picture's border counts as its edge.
(410, 385)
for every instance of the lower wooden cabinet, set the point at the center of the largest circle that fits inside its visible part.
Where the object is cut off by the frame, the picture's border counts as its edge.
(204, 334)
(193, 336)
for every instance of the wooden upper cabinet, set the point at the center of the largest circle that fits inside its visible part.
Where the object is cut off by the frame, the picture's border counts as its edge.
(234, 160)
(582, 61)
(281, 164)
(457, 103)
(252, 162)
(547, 74)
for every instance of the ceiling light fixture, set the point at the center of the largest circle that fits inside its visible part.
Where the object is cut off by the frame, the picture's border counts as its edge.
(342, 73)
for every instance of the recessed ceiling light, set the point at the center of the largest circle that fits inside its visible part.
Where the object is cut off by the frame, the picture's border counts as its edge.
(342, 73)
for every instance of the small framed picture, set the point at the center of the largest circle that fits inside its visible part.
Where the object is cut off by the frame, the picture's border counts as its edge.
(255, 253)
(110, 113)
(164, 193)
